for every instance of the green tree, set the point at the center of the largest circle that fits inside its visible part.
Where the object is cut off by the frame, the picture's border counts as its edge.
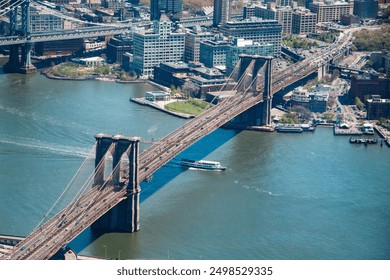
(302, 112)
(332, 101)
(132, 73)
(123, 75)
(358, 103)
(173, 90)
(289, 118)
(189, 90)
(372, 40)
(328, 116)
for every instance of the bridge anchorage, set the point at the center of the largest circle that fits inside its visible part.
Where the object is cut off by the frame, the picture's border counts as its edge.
(20, 54)
(124, 217)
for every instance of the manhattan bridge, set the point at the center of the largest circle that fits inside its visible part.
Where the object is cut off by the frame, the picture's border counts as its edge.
(20, 38)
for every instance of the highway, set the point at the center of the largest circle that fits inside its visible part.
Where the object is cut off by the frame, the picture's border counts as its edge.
(46, 240)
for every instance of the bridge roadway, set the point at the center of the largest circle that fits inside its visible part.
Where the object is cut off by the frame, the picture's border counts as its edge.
(45, 241)
(85, 32)
(65, 35)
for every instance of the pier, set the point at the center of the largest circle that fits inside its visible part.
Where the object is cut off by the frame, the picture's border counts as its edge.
(353, 131)
(362, 140)
(384, 134)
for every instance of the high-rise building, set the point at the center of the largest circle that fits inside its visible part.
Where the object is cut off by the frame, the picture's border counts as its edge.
(44, 22)
(307, 3)
(249, 11)
(303, 22)
(60, 2)
(174, 6)
(365, 85)
(242, 46)
(193, 39)
(213, 53)
(170, 7)
(114, 4)
(366, 8)
(155, 8)
(283, 3)
(160, 45)
(280, 13)
(117, 47)
(221, 12)
(378, 107)
(329, 10)
(257, 30)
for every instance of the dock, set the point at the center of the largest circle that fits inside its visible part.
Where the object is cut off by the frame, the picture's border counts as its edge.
(352, 131)
(362, 140)
(383, 133)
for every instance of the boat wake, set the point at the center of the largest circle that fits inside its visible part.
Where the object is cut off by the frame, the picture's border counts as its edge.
(260, 190)
(37, 145)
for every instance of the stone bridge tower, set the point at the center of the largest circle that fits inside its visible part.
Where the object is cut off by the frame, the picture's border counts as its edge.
(23, 63)
(256, 71)
(124, 217)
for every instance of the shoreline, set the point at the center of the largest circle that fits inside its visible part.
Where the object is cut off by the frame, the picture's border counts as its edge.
(144, 102)
(48, 75)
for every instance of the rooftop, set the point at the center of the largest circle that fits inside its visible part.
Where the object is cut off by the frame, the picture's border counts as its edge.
(176, 65)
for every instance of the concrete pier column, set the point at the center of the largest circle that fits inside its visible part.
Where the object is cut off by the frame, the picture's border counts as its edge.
(267, 94)
(322, 70)
(13, 65)
(26, 66)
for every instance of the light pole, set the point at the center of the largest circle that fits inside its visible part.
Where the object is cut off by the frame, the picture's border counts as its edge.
(105, 251)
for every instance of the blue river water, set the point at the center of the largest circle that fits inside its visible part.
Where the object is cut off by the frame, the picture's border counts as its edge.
(282, 196)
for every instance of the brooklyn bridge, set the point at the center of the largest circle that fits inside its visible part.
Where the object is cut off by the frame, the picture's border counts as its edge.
(110, 202)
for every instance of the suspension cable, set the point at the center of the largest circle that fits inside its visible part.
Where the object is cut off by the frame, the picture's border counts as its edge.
(86, 185)
(68, 186)
(12, 6)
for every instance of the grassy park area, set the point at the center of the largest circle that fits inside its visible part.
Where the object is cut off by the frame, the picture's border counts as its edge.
(191, 106)
(71, 70)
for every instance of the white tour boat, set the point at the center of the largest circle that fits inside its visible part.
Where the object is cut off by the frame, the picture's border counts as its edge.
(202, 164)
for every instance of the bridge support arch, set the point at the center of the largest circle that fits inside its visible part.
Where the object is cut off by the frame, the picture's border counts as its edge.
(124, 217)
(261, 67)
(322, 71)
